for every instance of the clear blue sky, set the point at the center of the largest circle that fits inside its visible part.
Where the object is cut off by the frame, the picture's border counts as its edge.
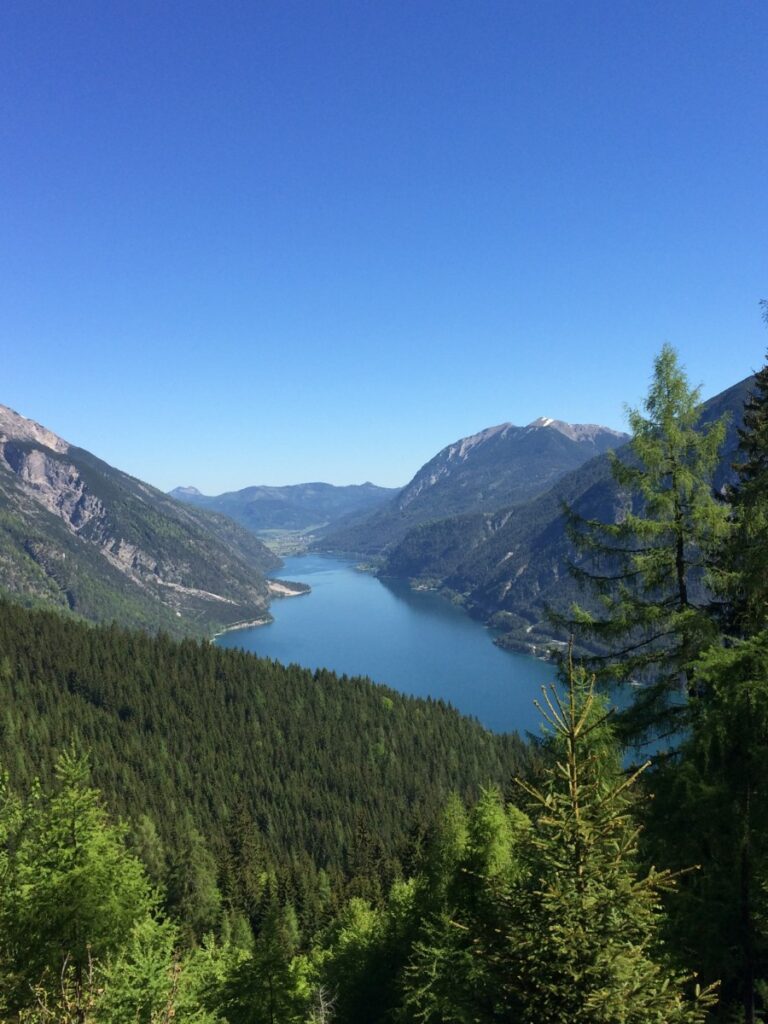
(276, 241)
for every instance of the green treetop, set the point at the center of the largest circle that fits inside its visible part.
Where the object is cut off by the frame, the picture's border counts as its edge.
(584, 933)
(649, 568)
(71, 893)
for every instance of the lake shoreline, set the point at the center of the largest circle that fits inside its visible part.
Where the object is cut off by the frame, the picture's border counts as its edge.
(545, 650)
(287, 588)
(279, 589)
(253, 624)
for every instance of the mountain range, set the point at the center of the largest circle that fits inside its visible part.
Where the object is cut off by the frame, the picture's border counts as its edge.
(81, 535)
(298, 507)
(496, 468)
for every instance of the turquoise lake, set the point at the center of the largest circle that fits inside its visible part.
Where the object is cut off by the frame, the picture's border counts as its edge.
(415, 642)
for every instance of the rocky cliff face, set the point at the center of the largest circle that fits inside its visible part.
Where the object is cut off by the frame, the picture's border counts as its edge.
(80, 533)
(19, 428)
(55, 483)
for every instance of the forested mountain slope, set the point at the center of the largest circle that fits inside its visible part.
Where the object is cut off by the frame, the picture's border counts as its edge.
(81, 535)
(500, 466)
(509, 566)
(190, 735)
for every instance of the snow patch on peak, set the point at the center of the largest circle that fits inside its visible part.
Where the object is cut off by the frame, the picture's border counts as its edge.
(575, 431)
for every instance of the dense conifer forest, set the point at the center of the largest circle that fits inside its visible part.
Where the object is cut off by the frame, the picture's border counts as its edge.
(194, 834)
(185, 737)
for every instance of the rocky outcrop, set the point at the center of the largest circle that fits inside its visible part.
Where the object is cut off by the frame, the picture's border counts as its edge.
(54, 482)
(19, 428)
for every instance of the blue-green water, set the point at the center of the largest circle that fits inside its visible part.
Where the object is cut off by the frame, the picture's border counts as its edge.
(417, 643)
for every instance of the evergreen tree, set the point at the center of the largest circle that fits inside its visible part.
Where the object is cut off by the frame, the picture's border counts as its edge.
(193, 895)
(362, 954)
(746, 554)
(148, 847)
(548, 917)
(247, 884)
(456, 973)
(351, 963)
(72, 890)
(583, 935)
(649, 568)
(140, 984)
(712, 809)
(265, 986)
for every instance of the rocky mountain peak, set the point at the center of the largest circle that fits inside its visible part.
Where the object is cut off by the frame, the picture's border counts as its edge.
(576, 431)
(15, 427)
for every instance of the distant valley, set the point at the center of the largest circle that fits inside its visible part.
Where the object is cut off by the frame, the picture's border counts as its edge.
(290, 516)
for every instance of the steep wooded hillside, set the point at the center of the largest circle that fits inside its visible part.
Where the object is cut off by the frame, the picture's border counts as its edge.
(83, 536)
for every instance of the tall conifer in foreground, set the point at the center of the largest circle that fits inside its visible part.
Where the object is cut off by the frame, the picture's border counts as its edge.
(649, 569)
(713, 807)
(72, 892)
(746, 555)
(584, 933)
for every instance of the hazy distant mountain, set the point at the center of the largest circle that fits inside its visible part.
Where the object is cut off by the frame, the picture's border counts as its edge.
(80, 534)
(500, 466)
(508, 566)
(295, 507)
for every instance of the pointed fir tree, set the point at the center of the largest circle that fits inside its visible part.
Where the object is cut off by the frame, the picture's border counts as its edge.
(193, 895)
(72, 890)
(139, 985)
(247, 883)
(455, 973)
(583, 936)
(649, 570)
(264, 986)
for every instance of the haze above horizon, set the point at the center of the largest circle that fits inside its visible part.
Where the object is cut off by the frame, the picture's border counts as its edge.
(268, 244)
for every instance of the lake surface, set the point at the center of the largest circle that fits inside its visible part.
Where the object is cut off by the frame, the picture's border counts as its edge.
(417, 643)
